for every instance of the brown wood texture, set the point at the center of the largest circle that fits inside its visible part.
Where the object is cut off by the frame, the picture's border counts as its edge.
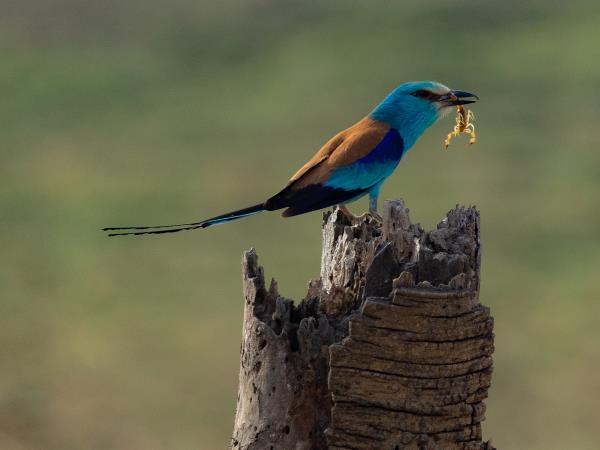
(390, 349)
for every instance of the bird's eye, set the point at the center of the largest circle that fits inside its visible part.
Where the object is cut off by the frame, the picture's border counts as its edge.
(424, 94)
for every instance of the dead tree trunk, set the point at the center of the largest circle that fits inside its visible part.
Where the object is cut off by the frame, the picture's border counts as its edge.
(390, 349)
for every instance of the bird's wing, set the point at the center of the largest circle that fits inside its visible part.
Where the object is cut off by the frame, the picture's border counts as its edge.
(305, 190)
(343, 149)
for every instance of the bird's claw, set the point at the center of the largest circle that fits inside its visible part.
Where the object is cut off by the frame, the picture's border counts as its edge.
(354, 220)
(372, 215)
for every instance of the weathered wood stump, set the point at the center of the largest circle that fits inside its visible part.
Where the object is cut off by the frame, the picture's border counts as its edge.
(390, 349)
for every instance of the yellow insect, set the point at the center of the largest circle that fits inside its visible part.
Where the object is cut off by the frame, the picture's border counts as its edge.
(464, 124)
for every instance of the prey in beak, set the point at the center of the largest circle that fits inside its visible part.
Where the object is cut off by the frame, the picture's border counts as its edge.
(464, 117)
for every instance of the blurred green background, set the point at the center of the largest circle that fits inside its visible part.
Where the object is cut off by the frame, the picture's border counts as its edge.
(134, 112)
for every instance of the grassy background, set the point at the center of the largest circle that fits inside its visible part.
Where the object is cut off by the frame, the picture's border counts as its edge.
(158, 111)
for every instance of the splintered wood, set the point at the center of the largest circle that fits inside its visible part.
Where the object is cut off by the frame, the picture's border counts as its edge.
(464, 125)
(390, 349)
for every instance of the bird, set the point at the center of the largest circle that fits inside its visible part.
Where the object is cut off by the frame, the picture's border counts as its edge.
(353, 163)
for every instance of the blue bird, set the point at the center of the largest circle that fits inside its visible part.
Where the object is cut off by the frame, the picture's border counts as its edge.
(352, 164)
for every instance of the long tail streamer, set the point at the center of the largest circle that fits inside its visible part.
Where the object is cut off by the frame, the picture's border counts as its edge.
(175, 228)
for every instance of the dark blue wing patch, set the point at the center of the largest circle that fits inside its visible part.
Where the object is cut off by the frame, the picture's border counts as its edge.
(389, 149)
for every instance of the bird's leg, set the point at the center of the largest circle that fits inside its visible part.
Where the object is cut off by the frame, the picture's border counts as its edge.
(373, 208)
(373, 204)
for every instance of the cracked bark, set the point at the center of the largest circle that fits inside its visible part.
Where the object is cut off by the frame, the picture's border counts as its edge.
(390, 349)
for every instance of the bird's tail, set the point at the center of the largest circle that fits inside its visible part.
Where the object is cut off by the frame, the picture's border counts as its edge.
(162, 229)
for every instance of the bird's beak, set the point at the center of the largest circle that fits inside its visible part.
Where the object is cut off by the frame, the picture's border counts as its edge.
(455, 98)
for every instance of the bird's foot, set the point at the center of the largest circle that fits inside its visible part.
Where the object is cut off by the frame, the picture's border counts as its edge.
(371, 216)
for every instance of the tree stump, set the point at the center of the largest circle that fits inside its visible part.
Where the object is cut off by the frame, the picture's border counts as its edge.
(390, 349)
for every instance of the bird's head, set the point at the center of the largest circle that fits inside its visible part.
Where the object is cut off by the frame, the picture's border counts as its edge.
(413, 107)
